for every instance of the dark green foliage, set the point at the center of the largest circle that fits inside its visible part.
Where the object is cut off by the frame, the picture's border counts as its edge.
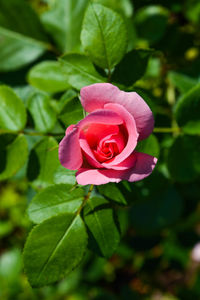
(102, 226)
(132, 67)
(187, 111)
(184, 158)
(147, 217)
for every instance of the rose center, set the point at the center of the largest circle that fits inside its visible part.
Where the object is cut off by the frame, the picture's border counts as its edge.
(106, 151)
(105, 141)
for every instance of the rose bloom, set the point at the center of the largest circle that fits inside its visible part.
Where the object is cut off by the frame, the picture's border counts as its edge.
(101, 146)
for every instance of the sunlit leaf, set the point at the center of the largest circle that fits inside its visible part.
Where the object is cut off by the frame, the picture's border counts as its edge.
(103, 36)
(79, 70)
(48, 76)
(54, 248)
(42, 113)
(12, 110)
(56, 199)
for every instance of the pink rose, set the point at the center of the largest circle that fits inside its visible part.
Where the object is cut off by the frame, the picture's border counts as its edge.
(101, 146)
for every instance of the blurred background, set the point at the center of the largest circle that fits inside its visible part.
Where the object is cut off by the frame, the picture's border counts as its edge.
(159, 255)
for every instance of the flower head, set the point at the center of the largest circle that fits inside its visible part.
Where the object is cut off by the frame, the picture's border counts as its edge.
(102, 145)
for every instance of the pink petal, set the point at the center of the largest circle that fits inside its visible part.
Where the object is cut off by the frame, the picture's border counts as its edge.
(70, 154)
(131, 129)
(89, 154)
(142, 168)
(95, 96)
(128, 163)
(95, 176)
(69, 129)
(101, 116)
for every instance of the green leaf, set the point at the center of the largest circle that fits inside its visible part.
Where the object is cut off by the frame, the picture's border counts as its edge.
(12, 110)
(187, 111)
(24, 92)
(181, 81)
(102, 226)
(124, 7)
(54, 248)
(43, 114)
(79, 71)
(19, 44)
(104, 36)
(43, 162)
(72, 111)
(66, 97)
(48, 76)
(149, 146)
(151, 215)
(63, 21)
(184, 159)
(132, 67)
(16, 154)
(63, 175)
(151, 22)
(54, 200)
(112, 192)
(17, 51)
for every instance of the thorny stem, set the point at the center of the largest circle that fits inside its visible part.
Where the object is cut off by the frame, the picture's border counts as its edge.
(85, 199)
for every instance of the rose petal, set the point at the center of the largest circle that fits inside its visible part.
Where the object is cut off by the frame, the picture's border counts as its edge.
(95, 96)
(101, 116)
(95, 176)
(118, 139)
(131, 129)
(69, 129)
(70, 154)
(89, 154)
(128, 163)
(142, 168)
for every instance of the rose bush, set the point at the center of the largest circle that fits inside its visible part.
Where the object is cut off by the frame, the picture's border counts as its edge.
(102, 145)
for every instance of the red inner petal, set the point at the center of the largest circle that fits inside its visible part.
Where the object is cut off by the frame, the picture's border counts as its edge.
(105, 141)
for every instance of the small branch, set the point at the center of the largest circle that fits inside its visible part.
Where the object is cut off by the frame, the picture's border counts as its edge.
(31, 133)
(85, 199)
(167, 130)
